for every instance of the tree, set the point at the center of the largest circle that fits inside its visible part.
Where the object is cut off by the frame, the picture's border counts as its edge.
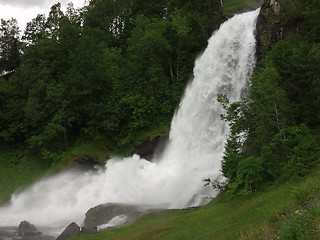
(294, 59)
(54, 19)
(249, 176)
(11, 114)
(9, 46)
(181, 26)
(114, 18)
(270, 107)
(35, 30)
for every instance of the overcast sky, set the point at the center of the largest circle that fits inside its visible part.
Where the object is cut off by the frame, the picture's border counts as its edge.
(25, 10)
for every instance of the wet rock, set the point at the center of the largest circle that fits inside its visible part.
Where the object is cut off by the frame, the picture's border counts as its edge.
(104, 213)
(27, 229)
(199, 200)
(104, 217)
(89, 230)
(273, 25)
(151, 147)
(85, 161)
(72, 231)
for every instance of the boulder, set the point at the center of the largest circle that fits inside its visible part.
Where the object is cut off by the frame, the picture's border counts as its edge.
(273, 25)
(115, 214)
(27, 229)
(72, 231)
(85, 162)
(104, 217)
(89, 230)
(151, 147)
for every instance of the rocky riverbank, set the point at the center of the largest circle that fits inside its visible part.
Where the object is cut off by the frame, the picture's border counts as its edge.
(107, 216)
(11, 233)
(97, 219)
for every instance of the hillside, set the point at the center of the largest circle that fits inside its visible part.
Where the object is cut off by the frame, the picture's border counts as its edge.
(273, 188)
(57, 106)
(75, 82)
(87, 86)
(287, 211)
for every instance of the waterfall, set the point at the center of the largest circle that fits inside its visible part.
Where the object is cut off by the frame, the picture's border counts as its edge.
(194, 152)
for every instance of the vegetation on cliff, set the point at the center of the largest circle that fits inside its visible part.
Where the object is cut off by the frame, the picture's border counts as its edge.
(280, 114)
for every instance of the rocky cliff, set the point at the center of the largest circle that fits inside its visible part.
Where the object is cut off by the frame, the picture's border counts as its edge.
(277, 19)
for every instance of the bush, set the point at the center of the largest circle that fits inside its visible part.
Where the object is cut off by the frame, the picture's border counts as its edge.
(249, 176)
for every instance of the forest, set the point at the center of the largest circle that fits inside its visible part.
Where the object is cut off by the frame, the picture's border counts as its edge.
(114, 71)
(275, 128)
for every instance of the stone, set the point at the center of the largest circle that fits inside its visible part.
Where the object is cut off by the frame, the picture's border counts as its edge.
(103, 213)
(27, 229)
(72, 231)
(275, 6)
(104, 217)
(85, 161)
(89, 230)
(271, 28)
(151, 147)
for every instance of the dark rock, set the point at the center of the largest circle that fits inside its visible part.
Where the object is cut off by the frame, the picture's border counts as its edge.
(150, 147)
(85, 161)
(100, 216)
(27, 229)
(103, 213)
(88, 230)
(72, 231)
(273, 26)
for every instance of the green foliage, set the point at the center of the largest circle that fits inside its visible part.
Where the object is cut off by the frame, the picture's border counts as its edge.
(249, 176)
(9, 46)
(312, 25)
(301, 150)
(290, 154)
(111, 71)
(300, 223)
(290, 10)
(271, 128)
(50, 157)
(18, 170)
(291, 229)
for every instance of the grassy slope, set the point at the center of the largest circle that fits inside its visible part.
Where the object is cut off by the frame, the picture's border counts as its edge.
(19, 169)
(256, 217)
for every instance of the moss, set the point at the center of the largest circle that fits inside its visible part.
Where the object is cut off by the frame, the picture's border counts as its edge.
(18, 171)
(264, 40)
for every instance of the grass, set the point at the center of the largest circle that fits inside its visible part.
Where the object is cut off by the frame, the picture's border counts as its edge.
(97, 150)
(19, 169)
(230, 7)
(261, 216)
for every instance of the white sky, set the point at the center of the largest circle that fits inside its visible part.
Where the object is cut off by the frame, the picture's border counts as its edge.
(25, 10)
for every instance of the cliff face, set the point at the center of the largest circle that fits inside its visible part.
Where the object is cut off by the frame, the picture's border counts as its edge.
(277, 19)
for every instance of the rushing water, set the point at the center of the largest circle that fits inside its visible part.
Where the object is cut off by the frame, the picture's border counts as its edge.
(194, 152)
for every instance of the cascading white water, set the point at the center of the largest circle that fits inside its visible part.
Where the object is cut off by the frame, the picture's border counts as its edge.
(194, 152)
